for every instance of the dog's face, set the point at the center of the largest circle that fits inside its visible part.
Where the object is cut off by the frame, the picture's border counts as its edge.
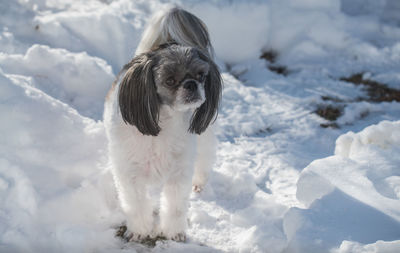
(180, 77)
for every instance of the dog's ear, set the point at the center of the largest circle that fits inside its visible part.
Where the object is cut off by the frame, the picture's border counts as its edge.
(138, 100)
(208, 111)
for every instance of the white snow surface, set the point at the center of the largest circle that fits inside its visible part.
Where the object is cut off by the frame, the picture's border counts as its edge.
(282, 183)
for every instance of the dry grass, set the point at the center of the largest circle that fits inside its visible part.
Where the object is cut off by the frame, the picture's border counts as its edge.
(271, 56)
(377, 92)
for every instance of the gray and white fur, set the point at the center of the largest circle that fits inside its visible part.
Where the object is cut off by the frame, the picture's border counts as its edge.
(158, 118)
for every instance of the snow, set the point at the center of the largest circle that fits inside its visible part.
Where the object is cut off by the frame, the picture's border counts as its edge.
(282, 183)
(359, 177)
(228, 42)
(58, 73)
(379, 247)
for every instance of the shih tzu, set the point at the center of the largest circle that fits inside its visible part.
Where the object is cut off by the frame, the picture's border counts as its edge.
(158, 116)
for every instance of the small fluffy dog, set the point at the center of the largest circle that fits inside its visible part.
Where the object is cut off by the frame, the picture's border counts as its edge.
(157, 117)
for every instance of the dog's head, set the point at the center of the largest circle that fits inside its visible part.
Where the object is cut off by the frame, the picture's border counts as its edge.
(181, 77)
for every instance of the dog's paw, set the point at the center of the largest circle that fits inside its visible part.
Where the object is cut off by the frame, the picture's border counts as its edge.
(135, 237)
(197, 188)
(179, 237)
(121, 232)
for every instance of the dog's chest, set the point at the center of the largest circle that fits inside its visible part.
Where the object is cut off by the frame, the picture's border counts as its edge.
(164, 157)
(154, 158)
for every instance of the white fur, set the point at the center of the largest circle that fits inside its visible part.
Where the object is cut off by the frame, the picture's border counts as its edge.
(164, 27)
(141, 162)
(170, 161)
(159, 30)
(180, 105)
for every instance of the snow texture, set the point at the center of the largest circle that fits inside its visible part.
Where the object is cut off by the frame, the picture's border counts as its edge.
(282, 183)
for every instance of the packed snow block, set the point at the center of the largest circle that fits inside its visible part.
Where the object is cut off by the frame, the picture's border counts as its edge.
(353, 195)
(334, 218)
(378, 247)
(381, 139)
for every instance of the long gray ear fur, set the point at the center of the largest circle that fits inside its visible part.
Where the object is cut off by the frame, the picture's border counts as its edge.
(208, 111)
(138, 100)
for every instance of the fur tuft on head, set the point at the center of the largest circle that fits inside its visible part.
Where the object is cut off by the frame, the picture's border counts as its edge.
(175, 25)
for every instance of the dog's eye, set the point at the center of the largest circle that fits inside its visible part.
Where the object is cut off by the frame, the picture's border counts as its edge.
(200, 76)
(170, 81)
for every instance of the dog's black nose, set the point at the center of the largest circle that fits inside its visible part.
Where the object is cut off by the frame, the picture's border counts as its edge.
(190, 85)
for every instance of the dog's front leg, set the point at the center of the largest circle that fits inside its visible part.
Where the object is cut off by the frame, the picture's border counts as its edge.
(174, 207)
(137, 206)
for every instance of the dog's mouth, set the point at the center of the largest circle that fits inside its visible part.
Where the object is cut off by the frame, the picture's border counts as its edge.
(193, 98)
(193, 92)
(190, 100)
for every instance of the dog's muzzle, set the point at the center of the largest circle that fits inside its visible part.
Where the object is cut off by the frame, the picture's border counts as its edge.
(194, 92)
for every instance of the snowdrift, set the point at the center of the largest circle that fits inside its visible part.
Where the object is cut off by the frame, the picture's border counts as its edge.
(353, 195)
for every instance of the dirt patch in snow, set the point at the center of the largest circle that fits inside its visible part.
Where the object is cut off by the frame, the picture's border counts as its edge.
(377, 92)
(271, 56)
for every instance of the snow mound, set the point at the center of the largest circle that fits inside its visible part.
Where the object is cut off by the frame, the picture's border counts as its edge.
(73, 78)
(353, 194)
(384, 136)
(96, 31)
(378, 247)
(50, 166)
(229, 43)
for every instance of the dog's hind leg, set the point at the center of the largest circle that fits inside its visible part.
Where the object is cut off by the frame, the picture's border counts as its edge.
(205, 159)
